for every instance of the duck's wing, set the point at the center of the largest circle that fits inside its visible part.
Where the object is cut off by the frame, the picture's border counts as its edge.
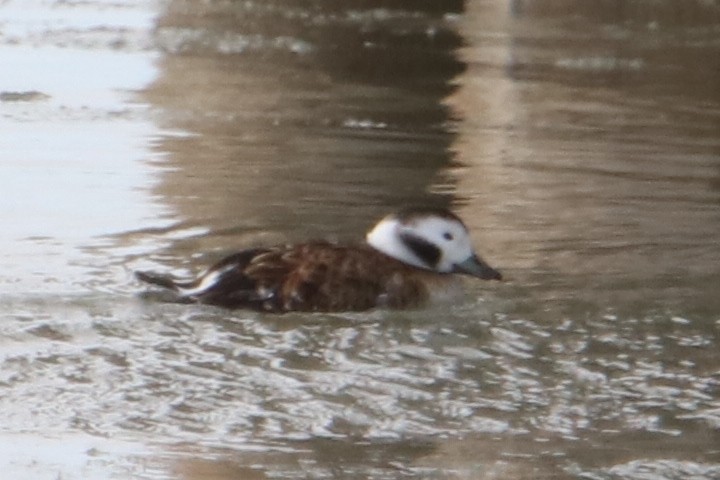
(328, 277)
(315, 276)
(231, 284)
(225, 278)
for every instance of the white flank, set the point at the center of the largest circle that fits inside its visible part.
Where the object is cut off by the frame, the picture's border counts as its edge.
(209, 280)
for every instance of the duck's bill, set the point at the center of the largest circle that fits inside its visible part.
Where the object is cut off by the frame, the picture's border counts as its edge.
(477, 267)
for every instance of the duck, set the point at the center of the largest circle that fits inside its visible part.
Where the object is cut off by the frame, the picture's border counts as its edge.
(407, 259)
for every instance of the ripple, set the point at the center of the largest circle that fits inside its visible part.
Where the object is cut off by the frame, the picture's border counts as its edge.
(663, 469)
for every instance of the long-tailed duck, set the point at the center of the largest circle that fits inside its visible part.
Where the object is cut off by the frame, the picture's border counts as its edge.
(407, 258)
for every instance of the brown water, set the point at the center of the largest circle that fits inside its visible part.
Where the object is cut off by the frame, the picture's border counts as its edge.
(580, 141)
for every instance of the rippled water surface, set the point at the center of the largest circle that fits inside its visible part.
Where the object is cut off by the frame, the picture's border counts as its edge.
(580, 142)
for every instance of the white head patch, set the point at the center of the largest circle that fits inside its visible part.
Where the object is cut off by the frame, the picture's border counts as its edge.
(433, 242)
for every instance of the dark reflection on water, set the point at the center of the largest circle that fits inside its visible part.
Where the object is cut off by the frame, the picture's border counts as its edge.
(309, 121)
(581, 148)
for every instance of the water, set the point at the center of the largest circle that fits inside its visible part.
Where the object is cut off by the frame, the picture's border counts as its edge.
(579, 142)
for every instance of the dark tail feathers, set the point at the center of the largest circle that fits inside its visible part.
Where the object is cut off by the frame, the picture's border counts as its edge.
(165, 281)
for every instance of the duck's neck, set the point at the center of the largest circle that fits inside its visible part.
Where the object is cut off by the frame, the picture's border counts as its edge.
(385, 238)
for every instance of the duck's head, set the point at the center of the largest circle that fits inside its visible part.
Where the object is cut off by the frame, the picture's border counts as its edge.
(432, 239)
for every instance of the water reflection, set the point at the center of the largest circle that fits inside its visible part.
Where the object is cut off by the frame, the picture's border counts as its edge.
(73, 145)
(319, 120)
(594, 161)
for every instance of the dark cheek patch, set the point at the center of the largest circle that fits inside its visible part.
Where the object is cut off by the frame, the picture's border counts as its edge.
(427, 252)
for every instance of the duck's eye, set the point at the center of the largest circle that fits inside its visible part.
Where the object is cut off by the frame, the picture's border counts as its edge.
(448, 236)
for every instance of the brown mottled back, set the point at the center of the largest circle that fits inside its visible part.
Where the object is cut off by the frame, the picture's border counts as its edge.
(319, 277)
